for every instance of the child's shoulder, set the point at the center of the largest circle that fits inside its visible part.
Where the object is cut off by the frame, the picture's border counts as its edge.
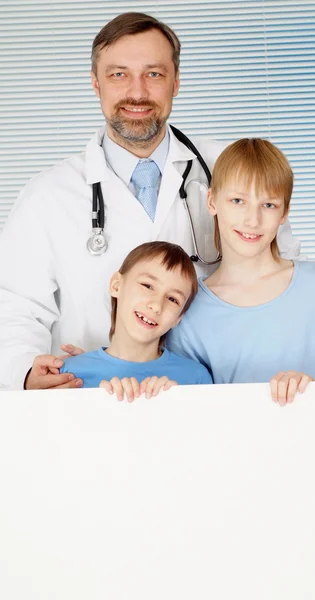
(305, 274)
(190, 366)
(177, 358)
(305, 266)
(201, 301)
(72, 362)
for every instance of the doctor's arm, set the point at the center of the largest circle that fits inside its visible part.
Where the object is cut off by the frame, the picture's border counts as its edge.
(289, 246)
(28, 308)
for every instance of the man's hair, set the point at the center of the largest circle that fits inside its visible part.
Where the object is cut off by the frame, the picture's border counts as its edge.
(131, 23)
(172, 256)
(253, 160)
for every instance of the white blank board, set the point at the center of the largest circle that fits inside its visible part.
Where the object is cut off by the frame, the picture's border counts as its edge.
(205, 492)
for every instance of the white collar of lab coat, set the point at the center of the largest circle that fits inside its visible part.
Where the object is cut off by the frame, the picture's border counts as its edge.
(97, 170)
(177, 150)
(123, 162)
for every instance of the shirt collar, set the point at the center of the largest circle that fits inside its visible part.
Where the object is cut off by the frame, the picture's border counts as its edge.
(123, 162)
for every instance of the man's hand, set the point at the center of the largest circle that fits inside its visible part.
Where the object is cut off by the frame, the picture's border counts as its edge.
(150, 386)
(44, 375)
(284, 386)
(71, 350)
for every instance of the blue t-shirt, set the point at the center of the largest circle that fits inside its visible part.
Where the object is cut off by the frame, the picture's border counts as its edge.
(251, 344)
(94, 366)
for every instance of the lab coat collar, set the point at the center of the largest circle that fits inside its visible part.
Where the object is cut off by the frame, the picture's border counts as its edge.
(178, 156)
(177, 150)
(97, 170)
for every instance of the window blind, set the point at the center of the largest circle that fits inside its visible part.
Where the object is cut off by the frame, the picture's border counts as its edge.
(247, 70)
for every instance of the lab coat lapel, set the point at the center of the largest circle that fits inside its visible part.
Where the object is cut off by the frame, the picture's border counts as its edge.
(177, 158)
(117, 197)
(119, 201)
(95, 163)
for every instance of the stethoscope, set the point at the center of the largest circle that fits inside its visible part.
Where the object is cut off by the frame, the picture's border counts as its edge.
(97, 243)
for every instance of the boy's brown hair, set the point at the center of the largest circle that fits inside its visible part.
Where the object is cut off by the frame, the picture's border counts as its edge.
(257, 160)
(172, 256)
(131, 23)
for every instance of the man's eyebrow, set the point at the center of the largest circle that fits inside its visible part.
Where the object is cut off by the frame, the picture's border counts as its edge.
(156, 66)
(157, 279)
(124, 67)
(119, 67)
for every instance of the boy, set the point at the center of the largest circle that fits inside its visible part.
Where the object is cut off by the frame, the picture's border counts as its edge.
(150, 293)
(254, 315)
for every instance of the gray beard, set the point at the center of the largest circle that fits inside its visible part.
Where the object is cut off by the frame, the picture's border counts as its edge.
(128, 131)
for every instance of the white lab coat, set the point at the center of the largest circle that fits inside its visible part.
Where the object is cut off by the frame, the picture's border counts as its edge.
(53, 290)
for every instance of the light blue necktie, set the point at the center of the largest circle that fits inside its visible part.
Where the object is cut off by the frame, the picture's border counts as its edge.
(145, 178)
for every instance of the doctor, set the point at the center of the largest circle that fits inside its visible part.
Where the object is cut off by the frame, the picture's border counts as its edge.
(53, 290)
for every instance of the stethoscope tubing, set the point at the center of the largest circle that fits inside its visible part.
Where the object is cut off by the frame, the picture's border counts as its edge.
(183, 193)
(97, 244)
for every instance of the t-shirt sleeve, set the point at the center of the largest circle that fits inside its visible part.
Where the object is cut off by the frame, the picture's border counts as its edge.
(73, 364)
(86, 367)
(204, 375)
(65, 367)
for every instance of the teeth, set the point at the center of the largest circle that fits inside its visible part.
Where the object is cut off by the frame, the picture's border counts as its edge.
(137, 109)
(250, 236)
(145, 319)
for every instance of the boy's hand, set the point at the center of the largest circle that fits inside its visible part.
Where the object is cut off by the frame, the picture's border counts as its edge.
(128, 385)
(150, 386)
(284, 386)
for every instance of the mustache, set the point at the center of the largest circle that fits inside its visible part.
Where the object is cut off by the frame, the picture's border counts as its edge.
(135, 103)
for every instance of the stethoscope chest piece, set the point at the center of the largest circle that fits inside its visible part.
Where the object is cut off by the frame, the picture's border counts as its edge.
(97, 243)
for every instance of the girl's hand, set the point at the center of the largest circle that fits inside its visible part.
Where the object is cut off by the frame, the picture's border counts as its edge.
(284, 386)
(150, 386)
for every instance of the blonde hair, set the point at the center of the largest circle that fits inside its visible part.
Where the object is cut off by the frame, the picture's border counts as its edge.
(172, 256)
(253, 160)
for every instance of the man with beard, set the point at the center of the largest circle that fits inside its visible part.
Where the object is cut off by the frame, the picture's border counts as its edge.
(53, 290)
